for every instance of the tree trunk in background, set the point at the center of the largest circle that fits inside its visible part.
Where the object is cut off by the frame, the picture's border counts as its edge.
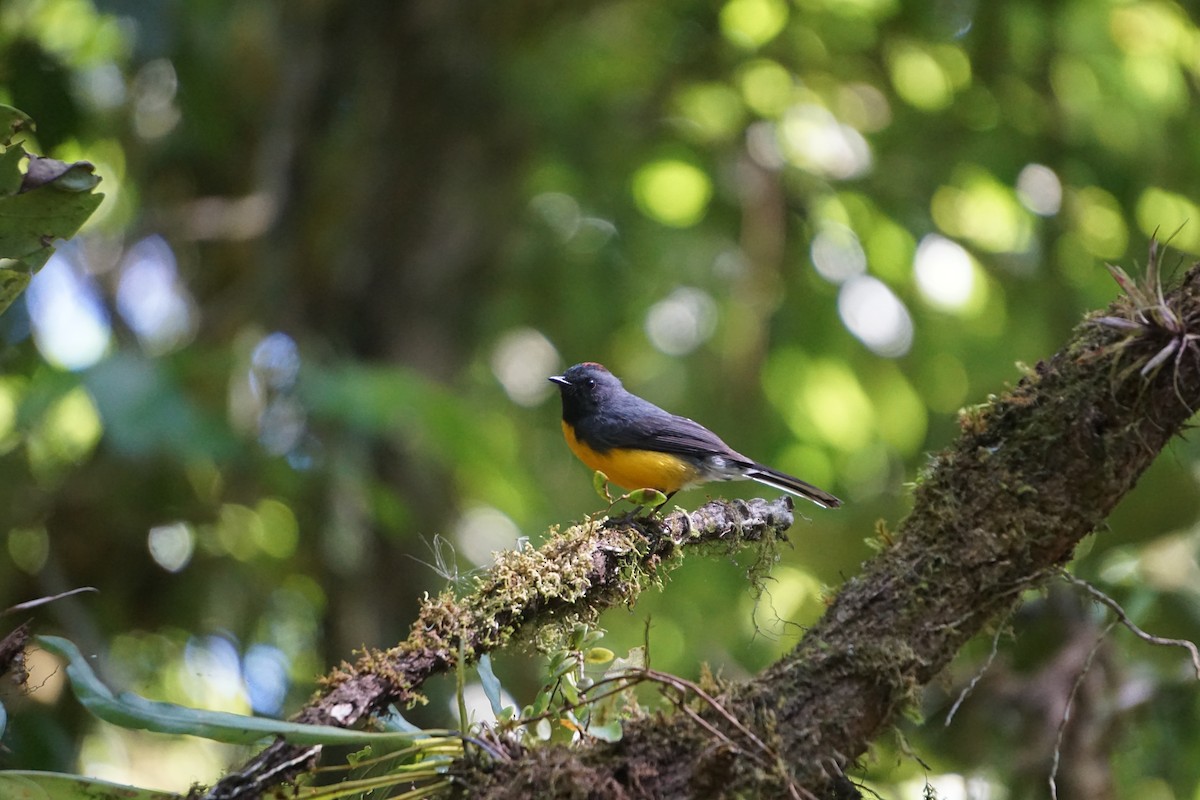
(392, 260)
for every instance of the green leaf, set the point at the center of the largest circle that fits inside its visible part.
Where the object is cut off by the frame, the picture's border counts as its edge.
(14, 277)
(598, 655)
(12, 122)
(610, 731)
(541, 702)
(10, 170)
(49, 201)
(575, 642)
(567, 687)
(395, 722)
(647, 497)
(600, 484)
(30, 785)
(129, 710)
(491, 684)
(543, 729)
(31, 221)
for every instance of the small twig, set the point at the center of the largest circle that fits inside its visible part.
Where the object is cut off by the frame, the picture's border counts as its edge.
(970, 687)
(1124, 619)
(1062, 724)
(41, 601)
(687, 686)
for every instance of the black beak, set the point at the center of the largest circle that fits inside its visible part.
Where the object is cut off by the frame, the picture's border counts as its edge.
(559, 379)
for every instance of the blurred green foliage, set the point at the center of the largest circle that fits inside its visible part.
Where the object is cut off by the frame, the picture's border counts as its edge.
(343, 244)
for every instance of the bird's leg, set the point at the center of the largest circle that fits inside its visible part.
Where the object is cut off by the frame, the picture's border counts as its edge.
(666, 500)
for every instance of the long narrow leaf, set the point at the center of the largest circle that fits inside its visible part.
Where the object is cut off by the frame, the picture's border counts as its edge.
(129, 710)
(29, 785)
(491, 684)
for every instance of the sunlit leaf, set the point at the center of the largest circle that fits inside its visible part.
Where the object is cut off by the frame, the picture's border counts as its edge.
(33, 220)
(647, 497)
(600, 484)
(598, 655)
(29, 785)
(49, 202)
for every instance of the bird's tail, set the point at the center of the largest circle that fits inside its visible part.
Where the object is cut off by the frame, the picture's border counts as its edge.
(792, 485)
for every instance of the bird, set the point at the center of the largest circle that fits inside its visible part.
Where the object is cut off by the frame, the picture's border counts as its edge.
(638, 445)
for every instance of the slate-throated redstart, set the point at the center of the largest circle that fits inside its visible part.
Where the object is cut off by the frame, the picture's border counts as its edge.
(640, 446)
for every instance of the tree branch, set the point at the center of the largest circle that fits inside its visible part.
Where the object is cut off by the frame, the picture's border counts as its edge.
(1033, 472)
(577, 574)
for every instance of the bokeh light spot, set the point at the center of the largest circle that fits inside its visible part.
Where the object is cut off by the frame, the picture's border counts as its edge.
(275, 362)
(838, 407)
(29, 548)
(1039, 189)
(945, 273)
(279, 532)
(984, 211)
(873, 313)
(265, 671)
(713, 111)
(767, 87)
(944, 383)
(753, 23)
(522, 360)
(558, 210)
(682, 321)
(1169, 215)
(901, 416)
(211, 675)
(483, 530)
(918, 78)
(672, 192)
(479, 707)
(837, 253)
(153, 300)
(70, 325)
(171, 546)
(1099, 222)
(66, 433)
(814, 140)
(155, 113)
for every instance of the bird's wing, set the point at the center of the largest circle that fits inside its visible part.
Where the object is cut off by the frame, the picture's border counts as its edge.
(651, 428)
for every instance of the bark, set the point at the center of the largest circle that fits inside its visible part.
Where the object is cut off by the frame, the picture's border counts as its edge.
(995, 514)
(1033, 472)
(577, 574)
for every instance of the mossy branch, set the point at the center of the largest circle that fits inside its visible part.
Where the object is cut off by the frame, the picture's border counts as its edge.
(577, 574)
(1033, 472)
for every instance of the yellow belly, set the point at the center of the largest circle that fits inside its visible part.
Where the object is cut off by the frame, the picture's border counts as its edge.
(635, 469)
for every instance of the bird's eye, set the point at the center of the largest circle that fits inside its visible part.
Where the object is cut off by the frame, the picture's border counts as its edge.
(589, 383)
